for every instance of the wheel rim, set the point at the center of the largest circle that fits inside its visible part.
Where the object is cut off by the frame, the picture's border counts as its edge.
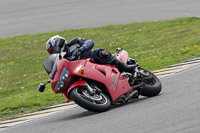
(149, 79)
(96, 98)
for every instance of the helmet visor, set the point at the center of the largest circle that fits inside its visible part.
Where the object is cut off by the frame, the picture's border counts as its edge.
(54, 50)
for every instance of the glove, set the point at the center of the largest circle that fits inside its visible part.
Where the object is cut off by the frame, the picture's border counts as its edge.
(76, 52)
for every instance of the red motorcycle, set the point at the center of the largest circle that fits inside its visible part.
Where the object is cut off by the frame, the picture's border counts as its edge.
(96, 86)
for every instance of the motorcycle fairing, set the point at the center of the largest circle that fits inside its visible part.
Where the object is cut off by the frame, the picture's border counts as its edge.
(108, 75)
(73, 67)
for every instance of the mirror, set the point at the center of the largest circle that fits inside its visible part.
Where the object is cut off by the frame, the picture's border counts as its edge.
(118, 50)
(41, 87)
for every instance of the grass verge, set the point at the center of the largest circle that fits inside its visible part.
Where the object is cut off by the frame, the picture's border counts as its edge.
(154, 45)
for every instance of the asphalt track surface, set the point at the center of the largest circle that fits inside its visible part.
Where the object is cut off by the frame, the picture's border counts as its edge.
(175, 110)
(19, 17)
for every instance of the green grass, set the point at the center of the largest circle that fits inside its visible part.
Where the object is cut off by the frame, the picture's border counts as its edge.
(154, 45)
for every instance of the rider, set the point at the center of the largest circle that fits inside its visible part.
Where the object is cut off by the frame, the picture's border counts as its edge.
(84, 46)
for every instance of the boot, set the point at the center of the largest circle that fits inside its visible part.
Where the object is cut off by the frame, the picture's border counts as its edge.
(123, 67)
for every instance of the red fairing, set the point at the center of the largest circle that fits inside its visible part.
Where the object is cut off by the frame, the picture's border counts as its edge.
(107, 75)
(72, 67)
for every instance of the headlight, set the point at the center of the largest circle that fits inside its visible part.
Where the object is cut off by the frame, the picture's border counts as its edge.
(63, 77)
(64, 74)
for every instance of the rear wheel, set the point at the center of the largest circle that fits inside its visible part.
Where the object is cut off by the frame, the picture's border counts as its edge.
(152, 85)
(98, 102)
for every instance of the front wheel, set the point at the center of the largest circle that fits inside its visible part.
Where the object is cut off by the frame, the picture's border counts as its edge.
(152, 85)
(96, 102)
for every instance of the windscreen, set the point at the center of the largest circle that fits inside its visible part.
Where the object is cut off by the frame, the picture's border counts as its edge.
(49, 62)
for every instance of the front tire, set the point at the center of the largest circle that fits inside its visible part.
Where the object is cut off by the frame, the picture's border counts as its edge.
(152, 85)
(96, 103)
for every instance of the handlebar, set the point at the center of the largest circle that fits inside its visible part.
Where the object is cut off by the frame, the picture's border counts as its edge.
(74, 56)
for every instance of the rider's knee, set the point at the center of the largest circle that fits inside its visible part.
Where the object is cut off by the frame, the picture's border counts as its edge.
(102, 56)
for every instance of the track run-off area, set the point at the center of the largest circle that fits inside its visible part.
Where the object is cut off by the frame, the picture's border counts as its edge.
(20, 17)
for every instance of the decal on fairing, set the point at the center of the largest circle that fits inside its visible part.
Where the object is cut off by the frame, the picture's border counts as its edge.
(114, 82)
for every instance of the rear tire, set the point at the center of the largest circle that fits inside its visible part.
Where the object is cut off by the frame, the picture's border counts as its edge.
(152, 86)
(96, 103)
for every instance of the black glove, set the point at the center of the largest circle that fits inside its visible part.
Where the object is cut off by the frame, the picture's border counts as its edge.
(76, 52)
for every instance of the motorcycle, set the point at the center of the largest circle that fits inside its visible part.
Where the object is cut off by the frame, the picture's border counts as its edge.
(96, 87)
